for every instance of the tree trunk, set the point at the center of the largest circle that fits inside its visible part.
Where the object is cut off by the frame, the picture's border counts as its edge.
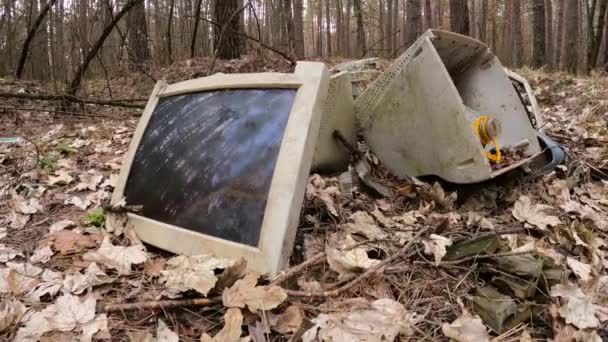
(389, 27)
(83, 27)
(82, 68)
(290, 30)
(328, 27)
(538, 32)
(347, 27)
(459, 16)
(494, 25)
(361, 48)
(339, 28)
(597, 34)
(428, 15)
(395, 28)
(30, 36)
(518, 37)
(473, 19)
(568, 61)
(549, 41)
(197, 18)
(168, 32)
(139, 52)
(298, 26)
(559, 32)
(412, 22)
(226, 41)
(439, 14)
(320, 28)
(483, 22)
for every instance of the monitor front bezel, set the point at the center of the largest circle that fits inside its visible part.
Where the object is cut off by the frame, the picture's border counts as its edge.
(286, 193)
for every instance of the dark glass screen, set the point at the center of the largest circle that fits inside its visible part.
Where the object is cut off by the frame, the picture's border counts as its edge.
(206, 160)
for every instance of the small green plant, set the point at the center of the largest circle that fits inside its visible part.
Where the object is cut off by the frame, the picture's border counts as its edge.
(96, 217)
(49, 161)
(64, 147)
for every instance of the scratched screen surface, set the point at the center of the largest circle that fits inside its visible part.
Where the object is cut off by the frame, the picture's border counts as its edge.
(206, 160)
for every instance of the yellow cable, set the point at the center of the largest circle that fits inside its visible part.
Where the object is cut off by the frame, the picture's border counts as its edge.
(480, 124)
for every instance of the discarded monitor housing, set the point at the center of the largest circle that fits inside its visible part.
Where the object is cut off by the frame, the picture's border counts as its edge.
(220, 164)
(338, 115)
(418, 116)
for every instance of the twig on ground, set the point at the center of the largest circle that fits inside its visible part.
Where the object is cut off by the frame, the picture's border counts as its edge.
(367, 273)
(286, 274)
(159, 304)
(74, 99)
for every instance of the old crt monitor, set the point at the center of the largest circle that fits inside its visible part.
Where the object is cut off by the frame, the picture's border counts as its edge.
(219, 164)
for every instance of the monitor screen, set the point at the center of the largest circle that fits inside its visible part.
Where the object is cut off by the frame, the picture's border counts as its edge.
(206, 160)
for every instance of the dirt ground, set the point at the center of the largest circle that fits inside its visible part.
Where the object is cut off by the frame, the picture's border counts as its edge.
(64, 261)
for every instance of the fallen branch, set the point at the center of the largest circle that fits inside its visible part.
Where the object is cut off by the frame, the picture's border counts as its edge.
(288, 273)
(370, 271)
(157, 304)
(74, 99)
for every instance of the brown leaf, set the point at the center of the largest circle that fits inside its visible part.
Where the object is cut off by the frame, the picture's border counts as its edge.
(289, 321)
(245, 293)
(68, 242)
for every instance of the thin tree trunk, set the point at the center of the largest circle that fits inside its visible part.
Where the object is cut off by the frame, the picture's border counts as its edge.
(473, 19)
(549, 40)
(428, 15)
(518, 37)
(197, 18)
(494, 25)
(597, 34)
(389, 27)
(459, 16)
(347, 27)
(483, 22)
(168, 33)
(298, 26)
(559, 32)
(538, 32)
(439, 14)
(82, 68)
(290, 30)
(320, 28)
(30, 36)
(361, 47)
(139, 52)
(568, 60)
(328, 27)
(339, 29)
(381, 24)
(412, 22)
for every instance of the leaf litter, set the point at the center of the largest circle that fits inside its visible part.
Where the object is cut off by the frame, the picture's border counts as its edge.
(546, 246)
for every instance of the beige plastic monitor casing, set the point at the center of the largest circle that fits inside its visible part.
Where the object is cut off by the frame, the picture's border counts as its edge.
(414, 116)
(289, 178)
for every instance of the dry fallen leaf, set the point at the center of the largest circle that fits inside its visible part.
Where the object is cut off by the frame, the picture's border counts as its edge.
(68, 242)
(466, 328)
(42, 255)
(289, 321)
(345, 260)
(365, 225)
(62, 178)
(50, 285)
(164, 334)
(582, 270)
(29, 206)
(15, 282)
(11, 311)
(78, 202)
(436, 246)
(317, 188)
(382, 320)
(61, 225)
(17, 220)
(535, 214)
(231, 332)
(245, 293)
(88, 181)
(183, 273)
(578, 309)
(77, 283)
(117, 257)
(68, 313)
(8, 253)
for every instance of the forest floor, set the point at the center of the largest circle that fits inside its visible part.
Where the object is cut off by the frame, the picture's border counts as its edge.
(376, 266)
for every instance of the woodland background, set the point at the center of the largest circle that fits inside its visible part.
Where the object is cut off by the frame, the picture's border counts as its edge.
(65, 40)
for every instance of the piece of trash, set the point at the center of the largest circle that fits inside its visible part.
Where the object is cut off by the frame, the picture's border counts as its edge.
(446, 107)
(249, 180)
